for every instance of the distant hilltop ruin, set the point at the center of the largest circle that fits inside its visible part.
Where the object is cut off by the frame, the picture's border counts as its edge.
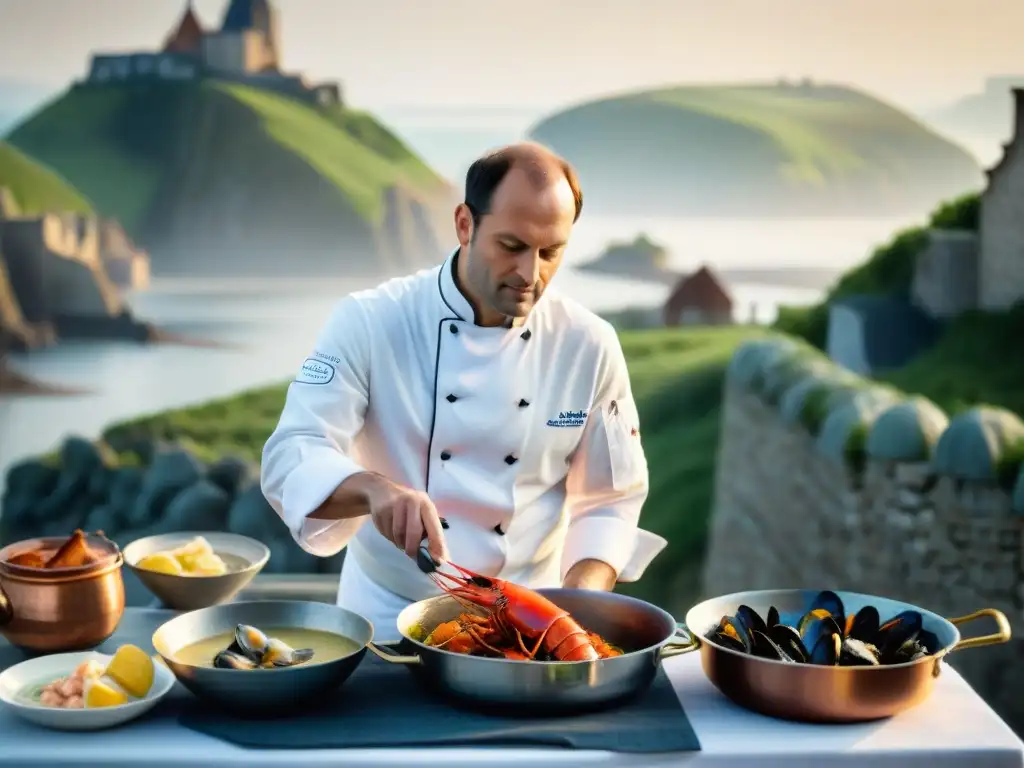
(246, 49)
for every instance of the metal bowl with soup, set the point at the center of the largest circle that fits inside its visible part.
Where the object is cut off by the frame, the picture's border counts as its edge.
(257, 657)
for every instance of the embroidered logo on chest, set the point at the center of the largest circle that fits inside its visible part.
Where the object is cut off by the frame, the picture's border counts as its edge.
(569, 419)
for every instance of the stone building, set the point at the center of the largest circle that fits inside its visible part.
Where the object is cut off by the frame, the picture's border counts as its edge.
(957, 271)
(962, 271)
(699, 299)
(245, 49)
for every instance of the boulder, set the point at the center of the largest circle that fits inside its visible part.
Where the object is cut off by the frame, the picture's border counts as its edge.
(200, 507)
(170, 472)
(251, 515)
(232, 473)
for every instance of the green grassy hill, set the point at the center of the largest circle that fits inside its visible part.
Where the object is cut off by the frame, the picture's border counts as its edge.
(36, 188)
(756, 150)
(677, 379)
(216, 177)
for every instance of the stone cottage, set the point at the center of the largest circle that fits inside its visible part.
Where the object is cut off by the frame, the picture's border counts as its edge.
(957, 272)
(699, 299)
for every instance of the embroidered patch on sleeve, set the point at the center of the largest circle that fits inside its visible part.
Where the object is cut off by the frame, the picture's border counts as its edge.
(315, 370)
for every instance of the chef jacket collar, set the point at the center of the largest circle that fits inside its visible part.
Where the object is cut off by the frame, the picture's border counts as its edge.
(455, 300)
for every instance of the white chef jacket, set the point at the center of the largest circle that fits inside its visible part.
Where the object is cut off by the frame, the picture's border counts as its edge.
(525, 438)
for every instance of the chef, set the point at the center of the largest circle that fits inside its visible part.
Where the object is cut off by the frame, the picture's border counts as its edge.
(474, 392)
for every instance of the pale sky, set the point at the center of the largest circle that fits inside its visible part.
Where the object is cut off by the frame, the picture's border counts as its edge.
(545, 53)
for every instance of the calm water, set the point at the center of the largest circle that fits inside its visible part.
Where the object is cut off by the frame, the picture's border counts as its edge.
(272, 323)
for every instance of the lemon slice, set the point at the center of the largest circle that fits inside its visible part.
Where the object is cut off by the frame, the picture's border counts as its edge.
(208, 565)
(189, 554)
(100, 693)
(132, 669)
(160, 562)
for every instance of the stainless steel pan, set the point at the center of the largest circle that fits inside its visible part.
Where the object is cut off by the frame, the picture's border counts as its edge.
(527, 687)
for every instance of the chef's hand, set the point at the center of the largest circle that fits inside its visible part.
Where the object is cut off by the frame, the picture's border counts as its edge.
(403, 516)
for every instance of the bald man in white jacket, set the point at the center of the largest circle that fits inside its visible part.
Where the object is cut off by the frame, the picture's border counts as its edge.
(469, 392)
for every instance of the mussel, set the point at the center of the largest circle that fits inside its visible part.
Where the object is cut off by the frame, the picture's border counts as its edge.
(826, 635)
(251, 648)
(228, 659)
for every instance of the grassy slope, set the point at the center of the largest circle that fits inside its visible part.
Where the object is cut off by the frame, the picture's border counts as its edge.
(36, 188)
(677, 378)
(120, 143)
(813, 137)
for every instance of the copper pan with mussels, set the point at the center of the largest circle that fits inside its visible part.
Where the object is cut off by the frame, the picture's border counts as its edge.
(823, 656)
(266, 656)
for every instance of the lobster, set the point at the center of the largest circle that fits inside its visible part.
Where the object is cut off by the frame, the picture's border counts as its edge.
(515, 612)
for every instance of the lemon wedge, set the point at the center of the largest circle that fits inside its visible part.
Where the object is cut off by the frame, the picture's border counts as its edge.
(189, 554)
(160, 562)
(100, 693)
(208, 565)
(132, 669)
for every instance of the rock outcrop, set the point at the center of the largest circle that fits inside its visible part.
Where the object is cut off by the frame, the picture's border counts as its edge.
(54, 283)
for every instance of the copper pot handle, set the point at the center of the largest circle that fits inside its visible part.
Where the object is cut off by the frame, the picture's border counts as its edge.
(1002, 636)
(6, 609)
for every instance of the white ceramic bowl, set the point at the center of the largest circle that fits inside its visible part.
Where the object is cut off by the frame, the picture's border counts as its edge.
(189, 593)
(17, 680)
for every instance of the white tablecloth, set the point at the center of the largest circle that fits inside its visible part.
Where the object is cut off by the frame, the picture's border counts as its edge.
(953, 728)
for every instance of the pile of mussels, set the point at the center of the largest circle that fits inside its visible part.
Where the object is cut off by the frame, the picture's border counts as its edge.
(825, 635)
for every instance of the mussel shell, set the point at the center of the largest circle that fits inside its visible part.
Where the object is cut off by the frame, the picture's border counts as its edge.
(773, 617)
(814, 627)
(766, 649)
(732, 627)
(727, 641)
(900, 629)
(857, 653)
(929, 640)
(911, 650)
(280, 654)
(252, 642)
(864, 624)
(827, 650)
(830, 602)
(751, 619)
(788, 639)
(231, 660)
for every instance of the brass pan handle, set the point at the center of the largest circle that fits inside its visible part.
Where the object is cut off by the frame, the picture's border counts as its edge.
(687, 643)
(1002, 636)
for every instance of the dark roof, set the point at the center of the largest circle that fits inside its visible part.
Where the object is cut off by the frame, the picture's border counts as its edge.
(187, 36)
(246, 14)
(895, 331)
(701, 290)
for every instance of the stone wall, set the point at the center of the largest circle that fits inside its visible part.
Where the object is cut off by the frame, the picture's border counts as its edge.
(826, 480)
(945, 280)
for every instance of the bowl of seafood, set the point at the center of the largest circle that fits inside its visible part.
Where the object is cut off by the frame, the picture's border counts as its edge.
(85, 691)
(187, 571)
(824, 656)
(60, 593)
(494, 644)
(261, 657)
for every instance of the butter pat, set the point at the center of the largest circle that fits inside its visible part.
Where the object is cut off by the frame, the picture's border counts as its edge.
(132, 669)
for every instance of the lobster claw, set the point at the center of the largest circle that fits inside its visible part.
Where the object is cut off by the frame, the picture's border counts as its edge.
(424, 560)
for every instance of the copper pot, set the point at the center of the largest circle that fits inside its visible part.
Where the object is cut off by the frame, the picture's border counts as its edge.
(61, 609)
(826, 694)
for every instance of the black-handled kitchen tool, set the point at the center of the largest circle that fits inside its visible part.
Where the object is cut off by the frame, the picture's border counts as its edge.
(424, 561)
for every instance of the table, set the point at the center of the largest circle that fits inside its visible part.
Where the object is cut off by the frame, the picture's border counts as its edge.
(953, 728)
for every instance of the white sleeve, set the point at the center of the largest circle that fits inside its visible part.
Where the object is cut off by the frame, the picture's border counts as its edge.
(308, 455)
(607, 483)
